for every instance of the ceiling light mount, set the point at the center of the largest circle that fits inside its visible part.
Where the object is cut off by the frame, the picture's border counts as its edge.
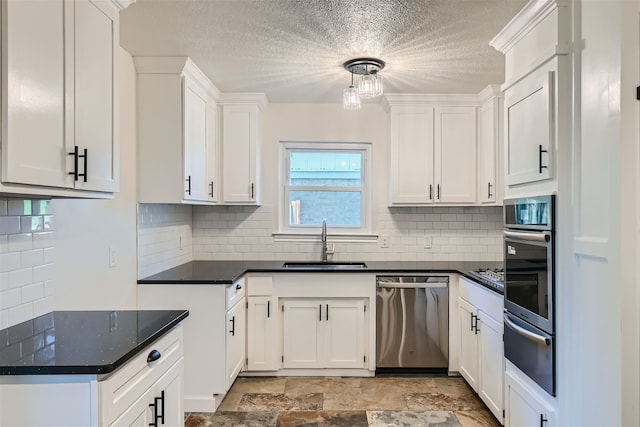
(370, 84)
(363, 66)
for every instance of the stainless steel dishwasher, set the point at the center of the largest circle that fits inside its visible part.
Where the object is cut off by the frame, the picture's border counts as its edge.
(412, 324)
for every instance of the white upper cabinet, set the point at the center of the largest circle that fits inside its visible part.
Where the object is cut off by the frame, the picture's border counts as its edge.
(432, 151)
(241, 143)
(537, 95)
(60, 72)
(455, 155)
(489, 147)
(411, 155)
(177, 132)
(529, 119)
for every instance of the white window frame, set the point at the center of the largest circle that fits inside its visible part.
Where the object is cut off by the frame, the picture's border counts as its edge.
(287, 232)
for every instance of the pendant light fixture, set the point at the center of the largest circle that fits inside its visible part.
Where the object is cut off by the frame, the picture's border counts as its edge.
(350, 97)
(370, 84)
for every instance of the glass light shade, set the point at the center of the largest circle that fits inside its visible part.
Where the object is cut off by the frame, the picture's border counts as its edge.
(350, 98)
(378, 89)
(366, 86)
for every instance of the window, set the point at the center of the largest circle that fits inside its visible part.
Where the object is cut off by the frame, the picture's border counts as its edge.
(325, 181)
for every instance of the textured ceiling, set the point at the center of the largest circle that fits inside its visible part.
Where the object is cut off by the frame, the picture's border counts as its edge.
(293, 50)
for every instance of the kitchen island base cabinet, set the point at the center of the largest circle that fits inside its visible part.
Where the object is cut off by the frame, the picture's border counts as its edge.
(122, 398)
(324, 334)
(481, 350)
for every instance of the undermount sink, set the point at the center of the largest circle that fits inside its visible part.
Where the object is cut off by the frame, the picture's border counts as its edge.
(319, 265)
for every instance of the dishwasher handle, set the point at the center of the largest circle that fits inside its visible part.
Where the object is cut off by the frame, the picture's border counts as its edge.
(383, 285)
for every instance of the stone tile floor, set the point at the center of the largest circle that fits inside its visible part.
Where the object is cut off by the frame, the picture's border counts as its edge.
(349, 401)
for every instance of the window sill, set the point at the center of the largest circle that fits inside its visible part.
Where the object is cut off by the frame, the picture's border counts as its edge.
(314, 237)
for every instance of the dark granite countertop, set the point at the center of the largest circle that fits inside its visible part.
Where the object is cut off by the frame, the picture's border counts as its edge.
(226, 272)
(81, 342)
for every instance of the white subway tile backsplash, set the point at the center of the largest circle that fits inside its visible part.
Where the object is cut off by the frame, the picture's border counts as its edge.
(31, 258)
(32, 292)
(19, 278)
(9, 298)
(9, 261)
(26, 259)
(20, 242)
(9, 225)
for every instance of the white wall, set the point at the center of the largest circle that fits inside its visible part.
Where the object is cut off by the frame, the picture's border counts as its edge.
(246, 232)
(86, 229)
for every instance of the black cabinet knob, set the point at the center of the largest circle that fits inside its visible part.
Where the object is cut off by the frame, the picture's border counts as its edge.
(153, 356)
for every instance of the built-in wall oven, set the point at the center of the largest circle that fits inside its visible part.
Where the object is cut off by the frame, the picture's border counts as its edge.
(529, 261)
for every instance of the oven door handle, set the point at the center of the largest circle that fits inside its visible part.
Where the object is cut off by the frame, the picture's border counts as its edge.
(531, 237)
(531, 336)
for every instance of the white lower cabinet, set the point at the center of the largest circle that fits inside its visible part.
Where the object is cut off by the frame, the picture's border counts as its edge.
(235, 341)
(324, 333)
(214, 337)
(159, 405)
(138, 393)
(261, 333)
(524, 405)
(481, 349)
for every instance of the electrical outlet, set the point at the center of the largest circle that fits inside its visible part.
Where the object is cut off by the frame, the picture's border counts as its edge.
(384, 241)
(113, 260)
(428, 242)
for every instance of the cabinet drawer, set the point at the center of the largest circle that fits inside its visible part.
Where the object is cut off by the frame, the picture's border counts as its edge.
(235, 293)
(482, 298)
(259, 286)
(121, 389)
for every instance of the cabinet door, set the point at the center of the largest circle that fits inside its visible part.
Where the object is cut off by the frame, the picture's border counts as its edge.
(139, 414)
(212, 151)
(524, 407)
(344, 329)
(33, 58)
(261, 336)
(170, 388)
(455, 155)
(468, 343)
(91, 73)
(529, 122)
(240, 132)
(491, 363)
(236, 333)
(301, 334)
(487, 151)
(195, 143)
(411, 156)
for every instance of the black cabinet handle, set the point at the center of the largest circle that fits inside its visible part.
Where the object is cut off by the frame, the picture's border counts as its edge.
(472, 316)
(252, 190)
(489, 195)
(475, 326)
(540, 151)
(85, 157)
(188, 181)
(153, 356)
(268, 308)
(320, 318)
(438, 191)
(74, 153)
(211, 189)
(157, 415)
(327, 312)
(542, 420)
(238, 286)
(430, 191)
(233, 326)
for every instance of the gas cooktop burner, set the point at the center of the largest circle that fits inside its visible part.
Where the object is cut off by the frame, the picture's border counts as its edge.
(491, 278)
